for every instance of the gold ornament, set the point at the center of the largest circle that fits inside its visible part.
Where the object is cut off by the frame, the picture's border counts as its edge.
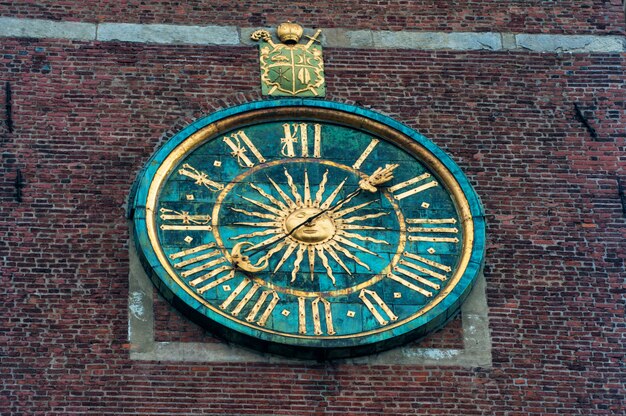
(289, 33)
(289, 68)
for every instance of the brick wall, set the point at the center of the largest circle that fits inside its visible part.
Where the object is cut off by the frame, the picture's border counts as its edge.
(86, 116)
(535, 16)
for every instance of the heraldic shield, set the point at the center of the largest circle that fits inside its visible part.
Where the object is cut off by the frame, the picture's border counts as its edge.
(291, 69)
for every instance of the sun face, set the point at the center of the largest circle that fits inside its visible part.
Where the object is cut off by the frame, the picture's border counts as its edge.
(318, 230)
(298, 224)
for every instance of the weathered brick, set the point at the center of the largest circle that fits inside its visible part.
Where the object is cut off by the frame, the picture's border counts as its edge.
(87, 116)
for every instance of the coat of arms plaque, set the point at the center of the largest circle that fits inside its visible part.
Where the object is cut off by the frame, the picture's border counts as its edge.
(289, 68)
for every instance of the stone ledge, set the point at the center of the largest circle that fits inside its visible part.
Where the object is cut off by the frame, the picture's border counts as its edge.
(570, 43)
(331, 37)
(463, 41)
(168, 34)
(11, 27)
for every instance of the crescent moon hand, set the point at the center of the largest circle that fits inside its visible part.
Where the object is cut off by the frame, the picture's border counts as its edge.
(242, 262)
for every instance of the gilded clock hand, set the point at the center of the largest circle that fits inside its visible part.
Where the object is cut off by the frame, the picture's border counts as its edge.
(239, 261)
(309, 221)
(380, 176)
(370, 183)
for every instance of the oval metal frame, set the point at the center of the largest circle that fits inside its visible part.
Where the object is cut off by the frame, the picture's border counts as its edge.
(440, 310)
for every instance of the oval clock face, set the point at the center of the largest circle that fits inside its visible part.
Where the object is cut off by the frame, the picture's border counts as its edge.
(315, 230)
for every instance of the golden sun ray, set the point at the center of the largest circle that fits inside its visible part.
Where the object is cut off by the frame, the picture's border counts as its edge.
(273, 200)
(270, 253)
(264, 206)
(322, 256)
(333, 195)
(255, 214)
(348, 254)
(352, 244)
(297, 261)
(339, 214)
(360, 227)
(345, 201)
(286, 255)
(258, 224)
(321, 189)
(293, 188)
(361, 237)
(311, 252)
(265, 242)
(363, 217)
(335, 257)
(257, 234)
(282, 194)
(307, 190)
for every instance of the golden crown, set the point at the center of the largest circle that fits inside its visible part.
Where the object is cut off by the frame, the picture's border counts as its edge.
(289, 32)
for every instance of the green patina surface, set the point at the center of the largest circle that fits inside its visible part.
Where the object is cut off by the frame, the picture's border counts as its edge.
(369, 243)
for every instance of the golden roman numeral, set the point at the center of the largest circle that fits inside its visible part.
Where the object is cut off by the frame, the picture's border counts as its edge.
(317, 320)
(416, 277)
(236, 293)
(268, 309)
(169, 227)
(410, 285)
(428, 262)
(317, 325)
(251, 291)
(189, 251)
(363, 295)
(200, 178)
(216, 282)
(415, 190)
(424, 266)
(239, 150)
(299, 132)
(196, 257)
(197, 261)
(187, 221)
(418, 263)
(203, 267)
(365, 154)
(301, 315)
(430, 233)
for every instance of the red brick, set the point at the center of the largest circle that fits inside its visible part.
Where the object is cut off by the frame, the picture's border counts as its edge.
(87, 116)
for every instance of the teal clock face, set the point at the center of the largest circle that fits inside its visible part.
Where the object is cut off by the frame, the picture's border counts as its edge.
(315, 230)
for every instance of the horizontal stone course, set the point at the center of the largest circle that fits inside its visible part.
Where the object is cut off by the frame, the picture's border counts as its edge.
(34, 28)
(572, 44)
(168, 34)
(335, 38)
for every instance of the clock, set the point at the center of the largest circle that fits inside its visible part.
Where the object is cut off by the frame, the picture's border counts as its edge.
(308, 228)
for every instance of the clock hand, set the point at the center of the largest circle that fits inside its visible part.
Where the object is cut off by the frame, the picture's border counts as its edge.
(380, 176)
(370, 183)
(308, 221)
(241, 262)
